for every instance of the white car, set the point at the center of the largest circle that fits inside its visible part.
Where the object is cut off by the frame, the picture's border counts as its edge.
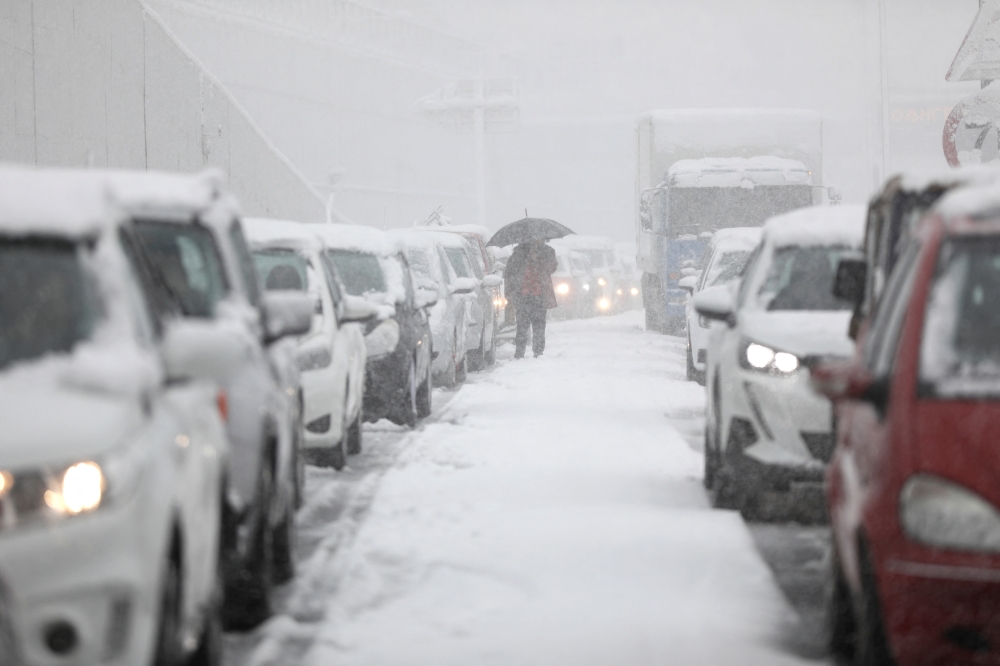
(289, 256)
(765, 428)
(451, 316)
(609, 293)
(727, 255)
(113, 449)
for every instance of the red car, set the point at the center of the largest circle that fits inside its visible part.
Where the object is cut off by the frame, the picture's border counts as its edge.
(914, 484)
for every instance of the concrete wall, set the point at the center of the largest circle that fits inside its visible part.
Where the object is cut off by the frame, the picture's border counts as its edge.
(103, 83)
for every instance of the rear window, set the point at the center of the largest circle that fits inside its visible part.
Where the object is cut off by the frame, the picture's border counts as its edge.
(361, 273)
(801, 278)
(282, 270)
(47, 304)
(960, 348)
(186, 262)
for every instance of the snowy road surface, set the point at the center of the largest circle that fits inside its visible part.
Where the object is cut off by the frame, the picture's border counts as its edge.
(550, 513)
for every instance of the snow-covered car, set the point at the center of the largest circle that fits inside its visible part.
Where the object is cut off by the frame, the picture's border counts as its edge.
(609, 291)
(573, 284)
(481, 338)
(765, 428)
(290, 257)
(191, 234)
(113, 449)
(373, 266)
(450, 317)
(727, 254)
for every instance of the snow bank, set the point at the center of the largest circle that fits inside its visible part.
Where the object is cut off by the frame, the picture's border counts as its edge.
(553, 515)
(738, 172)
(834, 225)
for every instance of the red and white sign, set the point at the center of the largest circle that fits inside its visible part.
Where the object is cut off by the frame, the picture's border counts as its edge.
(972, 131)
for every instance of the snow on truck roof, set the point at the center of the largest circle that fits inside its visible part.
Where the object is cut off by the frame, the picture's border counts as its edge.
(818, 225)
(59, 202)
(738, 172)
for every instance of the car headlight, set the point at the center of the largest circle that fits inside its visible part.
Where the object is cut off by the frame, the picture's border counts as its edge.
(586, 287)
(604, 304)
(634, 291)
(313, 357)
(755, 356)
(941, 513)
(602, 282)
(562, 288)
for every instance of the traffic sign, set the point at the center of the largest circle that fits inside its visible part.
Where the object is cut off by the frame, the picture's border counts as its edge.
(972, 131)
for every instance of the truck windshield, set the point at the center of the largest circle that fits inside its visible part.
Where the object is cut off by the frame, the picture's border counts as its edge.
(695, 210)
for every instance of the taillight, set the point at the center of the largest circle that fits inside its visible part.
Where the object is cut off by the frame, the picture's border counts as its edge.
(222, 402)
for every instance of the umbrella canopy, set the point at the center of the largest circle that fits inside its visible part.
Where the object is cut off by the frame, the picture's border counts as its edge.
(529, 229)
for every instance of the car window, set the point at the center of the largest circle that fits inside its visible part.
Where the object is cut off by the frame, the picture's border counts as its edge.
(360, 272)
(459, 261)
(406, 276)
(880, 345)
(725, 267)
(248, 271)
(801, 278)
(47, 304)
(477, 270)
(445, 271)
(333, 280)
(960, 346)
(282, 269)
(185, 258)
(747, 276)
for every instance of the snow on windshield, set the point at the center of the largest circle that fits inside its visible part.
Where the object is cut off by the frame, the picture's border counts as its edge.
(360, 272)
(727, 267)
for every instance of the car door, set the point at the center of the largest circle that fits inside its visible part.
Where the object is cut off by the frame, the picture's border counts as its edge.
(348, 341)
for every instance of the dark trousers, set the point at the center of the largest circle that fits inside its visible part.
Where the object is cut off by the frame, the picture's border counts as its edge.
(531, 313)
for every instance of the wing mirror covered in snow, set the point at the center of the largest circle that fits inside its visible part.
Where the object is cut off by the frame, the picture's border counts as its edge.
(689, 283)
(287, 313)
(492, 281)
(463, 286)
(847, 380)
(716, 303)
(849, 284)
(425, 298)
(204, 349)
(357, 309)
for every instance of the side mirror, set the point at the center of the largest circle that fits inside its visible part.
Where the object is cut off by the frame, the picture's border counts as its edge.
(357, 309)
(463, 285)
(492, 281)
(847, 380)
(204, 349)
(689, 271)
(716, 303)
(287, 313)
(425, 298)
(689, 283)
(849, 283)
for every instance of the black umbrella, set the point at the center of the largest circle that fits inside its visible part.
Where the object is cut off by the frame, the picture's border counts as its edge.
(529, 229)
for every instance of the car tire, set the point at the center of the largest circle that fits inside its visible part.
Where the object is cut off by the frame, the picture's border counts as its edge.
(841, 623)
(424, 396)
(408, 413)
(169, 650)
(871, 645)
(283, 545)
(462, 371)
(476, 359)
(353, 436)
(248, 594)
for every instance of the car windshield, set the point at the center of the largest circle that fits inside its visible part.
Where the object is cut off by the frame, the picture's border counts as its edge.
(282, 270)
(46, 303)
(960, 348)
(456, 256)
(186, 261)
(801, 278)
(596, 257)
(727, 267)
(360, 272)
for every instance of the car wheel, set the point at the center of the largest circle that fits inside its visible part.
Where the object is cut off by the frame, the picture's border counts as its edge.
(840, 613)
(169, 649)
(476, 359)
(283, 540)
(248, 594)
(692, 372)
(462, 371)
(406, 414)
(424, 396)
(871, 646)
(353, 435)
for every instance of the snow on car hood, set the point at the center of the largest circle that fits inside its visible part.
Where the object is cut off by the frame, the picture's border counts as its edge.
(803, 333)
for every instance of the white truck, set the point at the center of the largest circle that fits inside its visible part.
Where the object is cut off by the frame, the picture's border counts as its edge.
(700, 170)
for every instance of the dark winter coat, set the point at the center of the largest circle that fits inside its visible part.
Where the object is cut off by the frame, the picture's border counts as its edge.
(545, 265)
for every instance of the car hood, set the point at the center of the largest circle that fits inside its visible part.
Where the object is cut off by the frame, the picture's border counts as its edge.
(49, 421)
(803, 333)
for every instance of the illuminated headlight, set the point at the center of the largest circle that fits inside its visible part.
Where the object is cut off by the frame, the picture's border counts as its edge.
(604, 304)
(586, 287)
(620, 292)
(313, 357)
(80, 489)
(941, 513)
(754, 356)
(634, 291)
(602, 282)
(562, 288)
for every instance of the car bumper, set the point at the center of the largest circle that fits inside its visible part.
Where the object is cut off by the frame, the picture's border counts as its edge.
(98, 574)
(940, 614)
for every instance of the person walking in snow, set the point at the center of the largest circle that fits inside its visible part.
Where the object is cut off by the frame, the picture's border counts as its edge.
(528, 277)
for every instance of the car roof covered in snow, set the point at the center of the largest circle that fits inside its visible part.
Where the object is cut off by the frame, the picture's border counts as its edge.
(444, 238)
(978, 175)
(818, 225)
(358, 238)
(738, 239)
(264, 232)
(476, 229)
(738, 172)
(59, 202)
(973, 201)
